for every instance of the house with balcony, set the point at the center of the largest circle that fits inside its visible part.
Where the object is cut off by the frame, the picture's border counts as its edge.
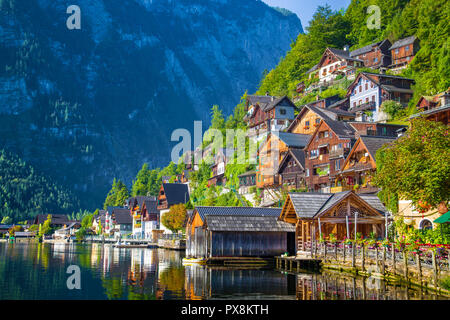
(268, 113)
(325, 153)
(292, 170)
(403, 52)
(272, 152)
(375, 55)
(171, 194)
(369, 90)
(435, 108)
(221, 158)
(335, 62)
(360, 165)
(308, 119)
(135, 207)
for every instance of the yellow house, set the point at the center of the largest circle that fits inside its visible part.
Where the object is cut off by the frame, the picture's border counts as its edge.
(412, 216)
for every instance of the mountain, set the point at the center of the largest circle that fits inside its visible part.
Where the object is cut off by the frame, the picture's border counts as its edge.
(85, 106)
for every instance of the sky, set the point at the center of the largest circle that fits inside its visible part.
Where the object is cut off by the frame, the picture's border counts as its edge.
(305, 8)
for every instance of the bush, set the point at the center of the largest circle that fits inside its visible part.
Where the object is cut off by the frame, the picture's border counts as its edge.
(445, 283)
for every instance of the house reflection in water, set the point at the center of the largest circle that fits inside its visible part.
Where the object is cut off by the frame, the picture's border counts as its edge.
(218, 282)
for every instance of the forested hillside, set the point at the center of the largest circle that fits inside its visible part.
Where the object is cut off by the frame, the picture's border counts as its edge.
(25, 193)
(427, 19)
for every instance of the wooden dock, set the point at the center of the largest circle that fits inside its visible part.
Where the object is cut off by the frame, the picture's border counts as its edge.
(297, 264)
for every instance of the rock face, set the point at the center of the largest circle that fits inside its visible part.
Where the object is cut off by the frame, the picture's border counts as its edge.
(89, 105)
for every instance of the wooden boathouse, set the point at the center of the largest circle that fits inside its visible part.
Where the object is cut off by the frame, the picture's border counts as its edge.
(218, 232)
(317, 215)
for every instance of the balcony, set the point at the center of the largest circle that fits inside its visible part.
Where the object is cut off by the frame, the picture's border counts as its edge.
(336, 153)
(365, 106)
(340, 189)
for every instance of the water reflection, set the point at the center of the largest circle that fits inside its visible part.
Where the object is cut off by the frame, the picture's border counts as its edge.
(38, 271)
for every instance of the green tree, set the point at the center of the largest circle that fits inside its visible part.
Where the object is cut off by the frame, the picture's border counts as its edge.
(175, 219)
(46, 226)
(117, 196)
(6, 220)
(417, 165)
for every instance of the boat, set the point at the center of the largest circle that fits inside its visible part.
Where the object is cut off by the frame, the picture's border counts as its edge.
(127, 245)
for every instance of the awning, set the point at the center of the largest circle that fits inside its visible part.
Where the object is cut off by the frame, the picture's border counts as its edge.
(445, 218)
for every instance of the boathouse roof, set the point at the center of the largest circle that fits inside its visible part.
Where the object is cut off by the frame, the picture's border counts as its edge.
(309, 205)
(238, 223)
(237, 211)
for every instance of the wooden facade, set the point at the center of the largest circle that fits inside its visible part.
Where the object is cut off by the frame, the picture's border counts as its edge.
(376, 55)
(292, 170)
(237, 232)
(325, 154)
(319, 215)
(403, 52)
(435, 108)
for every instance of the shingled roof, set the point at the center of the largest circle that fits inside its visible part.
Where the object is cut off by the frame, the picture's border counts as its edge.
(237, 211)
(294, 140)
(237, 223)
(57, 219)
(403, 42)
(310, 205)
(267, 103)
(122, 216)
(373, 143)
(176, 193)
(297, 154)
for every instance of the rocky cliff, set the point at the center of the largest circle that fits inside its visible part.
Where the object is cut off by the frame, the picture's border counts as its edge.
(88, 105)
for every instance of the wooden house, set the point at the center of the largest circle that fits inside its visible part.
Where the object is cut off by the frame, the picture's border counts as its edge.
(403, 52)
(376, 55)
(150, 217)
(237, 232)
(313, 72)
(360, 165)
(122, 221)
(247, 180)
(57, 220)
(292, 169)
(376, 129)
(135, 206)
(435, 108)
(221, 159)
(317, 215)
(268, 113)
(308, 119)
(272, 152)
(369, 90)
(326, 152)
(169, 195)
(336, 62)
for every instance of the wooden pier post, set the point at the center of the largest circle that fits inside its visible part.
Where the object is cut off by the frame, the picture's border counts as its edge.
(298, 266)
(335, 251)
(405, 265)
(435, 271)
(419, 267)
(345, 249)
(325, 250)
(353, 254)
(384, 261)
(363, 257)
(393, 259)
(290, 265)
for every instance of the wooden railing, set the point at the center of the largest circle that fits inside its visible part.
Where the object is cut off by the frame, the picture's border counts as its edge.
(426, 263)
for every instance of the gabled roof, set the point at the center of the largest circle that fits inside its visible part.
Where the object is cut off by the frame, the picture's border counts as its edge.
(371, 144)
(139, 200)
(403, 42)
(151, 206)
(176, 193)
(59, 219)
(237, 211)
(342, 129)
(314, 68)
(341, 54)
(367, 48)
(267, 103)
(122, 216)
(310, 205)
(293, 140)
(238, 223)
(297, 154)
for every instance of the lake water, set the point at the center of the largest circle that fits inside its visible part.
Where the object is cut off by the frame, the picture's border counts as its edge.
(38, 271)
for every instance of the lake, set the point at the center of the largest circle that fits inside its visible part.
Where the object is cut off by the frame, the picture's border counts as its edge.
(38, 271)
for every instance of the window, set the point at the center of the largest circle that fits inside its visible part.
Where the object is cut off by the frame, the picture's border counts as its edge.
(360, 88)
(367, 100)
(375, 60)
(314, 153)
(337, 166)
(373, 98)
(325, 134)
(317, 120)
(426, 224)
(367, 86)
(407, 48)
(282, 111)
(306, 123)
(396, 51)
(307, 172)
